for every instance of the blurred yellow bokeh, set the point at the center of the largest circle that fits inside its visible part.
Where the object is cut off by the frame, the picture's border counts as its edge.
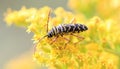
(23, 61)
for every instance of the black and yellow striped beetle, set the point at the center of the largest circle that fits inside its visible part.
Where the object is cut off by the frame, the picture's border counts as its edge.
(62, 29)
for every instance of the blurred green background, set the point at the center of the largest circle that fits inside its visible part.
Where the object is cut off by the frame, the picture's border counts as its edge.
(15, 41)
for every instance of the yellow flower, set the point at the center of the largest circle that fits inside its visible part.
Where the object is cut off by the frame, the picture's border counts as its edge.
(108, 60)
(92, 51)
(19, 17)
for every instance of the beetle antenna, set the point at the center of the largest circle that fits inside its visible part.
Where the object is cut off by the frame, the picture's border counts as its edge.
(38, 42)
(48, 19)
(73, 20)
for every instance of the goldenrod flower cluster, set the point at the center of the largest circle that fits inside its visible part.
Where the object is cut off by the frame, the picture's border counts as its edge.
(98, 50)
